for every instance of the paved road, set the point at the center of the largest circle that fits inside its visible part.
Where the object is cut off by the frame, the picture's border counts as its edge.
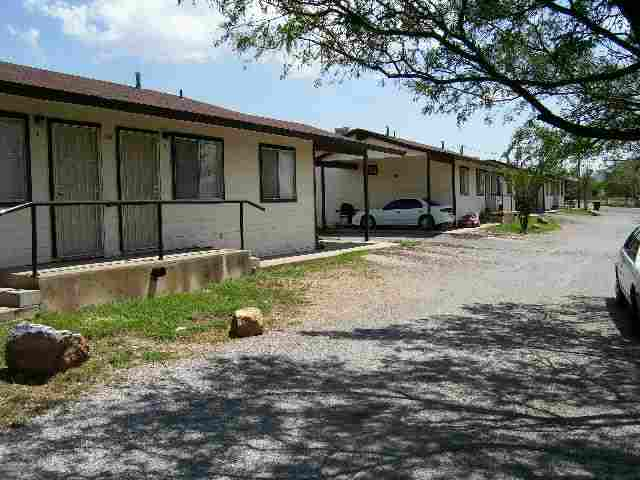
(462, 358)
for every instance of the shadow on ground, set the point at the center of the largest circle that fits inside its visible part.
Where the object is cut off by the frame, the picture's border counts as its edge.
(383, 232)
(502, 391)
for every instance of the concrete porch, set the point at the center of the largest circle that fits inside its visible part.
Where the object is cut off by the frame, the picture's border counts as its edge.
(71, 285)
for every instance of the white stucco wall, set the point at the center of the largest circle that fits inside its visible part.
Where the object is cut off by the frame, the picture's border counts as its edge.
(551, 200)
(283, 228)
(397, 177)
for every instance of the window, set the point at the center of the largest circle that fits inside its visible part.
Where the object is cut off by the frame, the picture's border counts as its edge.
(480, 176)
(198, 168)
(277, 174)
(499, 185)
(464, 181)
(491, 180)
(404, 204)
(395, 205)
(14, 181)
(632, 244)
(409, 204)
(509, 187)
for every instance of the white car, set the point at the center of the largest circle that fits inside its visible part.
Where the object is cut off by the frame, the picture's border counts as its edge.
(407, 212)
(628, 276)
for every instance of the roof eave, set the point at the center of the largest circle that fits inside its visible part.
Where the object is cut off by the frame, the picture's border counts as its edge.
(323, 142)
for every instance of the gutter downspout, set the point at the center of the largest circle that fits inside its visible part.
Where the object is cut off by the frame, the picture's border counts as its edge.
(315, 201)
(323, 190)
(429, 183)
(453, 187)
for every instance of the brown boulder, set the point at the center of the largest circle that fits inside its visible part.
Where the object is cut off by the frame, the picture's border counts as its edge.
(42, 350)
(246, 322)
(75, 352)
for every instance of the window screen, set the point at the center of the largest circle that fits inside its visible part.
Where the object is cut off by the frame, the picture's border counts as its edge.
(277, 174)
(464, 181)
(199, 168)
(13, 160)
(480, 175)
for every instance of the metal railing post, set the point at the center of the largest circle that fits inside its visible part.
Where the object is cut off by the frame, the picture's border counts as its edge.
(241, 225)
(32, 206)
(160, 239)
(34, 242)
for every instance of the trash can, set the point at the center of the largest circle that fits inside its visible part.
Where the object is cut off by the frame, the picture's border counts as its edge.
(596, 206)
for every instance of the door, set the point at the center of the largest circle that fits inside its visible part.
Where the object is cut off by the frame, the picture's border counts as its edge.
(75, 165)
(628, 256)
(391, 213)
(139, 180)
(410, 210)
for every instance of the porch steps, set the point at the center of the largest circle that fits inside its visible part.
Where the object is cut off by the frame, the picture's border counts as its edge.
(19, 298)
(68, 286)
(18, 304)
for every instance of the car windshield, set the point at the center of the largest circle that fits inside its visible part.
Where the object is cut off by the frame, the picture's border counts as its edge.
(433, 203)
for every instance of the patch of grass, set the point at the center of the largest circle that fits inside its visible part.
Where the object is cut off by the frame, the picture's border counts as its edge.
(353, 260)
(154, 356)
(409, 243)
(121, 358)
(153, 330)
(534, 227)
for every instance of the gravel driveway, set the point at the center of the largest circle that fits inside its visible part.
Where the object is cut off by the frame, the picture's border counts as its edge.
(460, 358)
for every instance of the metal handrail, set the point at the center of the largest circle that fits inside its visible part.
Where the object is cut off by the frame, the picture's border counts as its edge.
(118, 203)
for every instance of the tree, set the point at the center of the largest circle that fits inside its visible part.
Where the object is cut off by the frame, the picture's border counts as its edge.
(623, 179)
(535, 154)
(574, 63)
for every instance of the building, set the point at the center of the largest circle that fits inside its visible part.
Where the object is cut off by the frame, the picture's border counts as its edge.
(73, 149)
(467, 183)
(67, 138)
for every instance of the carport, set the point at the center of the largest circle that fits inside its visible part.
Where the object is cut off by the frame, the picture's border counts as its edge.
(358, 153)
(467, 184)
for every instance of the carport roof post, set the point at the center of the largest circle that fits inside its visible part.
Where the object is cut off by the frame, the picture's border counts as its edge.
(365, 181)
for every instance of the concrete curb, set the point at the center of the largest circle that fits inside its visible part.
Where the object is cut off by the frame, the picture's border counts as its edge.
(462, 231)
(320, 255)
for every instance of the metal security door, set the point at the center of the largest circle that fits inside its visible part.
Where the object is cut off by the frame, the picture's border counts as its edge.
(139, 180)
(75, 164)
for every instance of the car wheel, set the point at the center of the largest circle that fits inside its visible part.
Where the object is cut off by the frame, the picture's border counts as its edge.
(620, 300)
(427, 222)
(372, 223)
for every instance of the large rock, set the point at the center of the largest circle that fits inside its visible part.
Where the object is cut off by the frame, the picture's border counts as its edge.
(247, 322)
(43, 350)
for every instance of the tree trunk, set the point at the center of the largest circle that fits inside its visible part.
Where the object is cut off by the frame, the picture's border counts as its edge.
(585, 188)
(524, 223)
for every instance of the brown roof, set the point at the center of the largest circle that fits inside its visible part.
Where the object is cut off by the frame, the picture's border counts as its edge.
(437, 153)
(48, 85)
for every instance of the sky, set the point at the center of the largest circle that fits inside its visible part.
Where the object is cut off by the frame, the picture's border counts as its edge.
(172, 47)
